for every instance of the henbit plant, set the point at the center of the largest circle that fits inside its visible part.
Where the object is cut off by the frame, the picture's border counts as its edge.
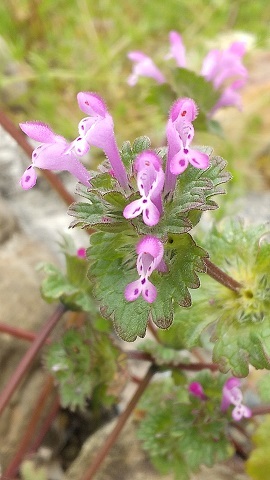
(141, 208)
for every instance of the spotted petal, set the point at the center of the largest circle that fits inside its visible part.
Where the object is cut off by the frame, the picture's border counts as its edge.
(91, 104)
(29, 178)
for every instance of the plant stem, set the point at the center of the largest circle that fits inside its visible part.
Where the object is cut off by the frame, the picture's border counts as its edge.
(217, 274)
(260, 410)
(193, 367)
(27, 438)
(21, 139)
(29, 357)
(54, 409)
(18, 332)
(111, 439)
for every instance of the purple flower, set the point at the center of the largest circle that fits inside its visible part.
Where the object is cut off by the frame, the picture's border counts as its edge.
(54, 154)
(232, 395)
(150, 252)
(196, 389)
(224, 68)
(177, 49)
(180, 133)
(150, 181)
(143, 66)
(98, 129)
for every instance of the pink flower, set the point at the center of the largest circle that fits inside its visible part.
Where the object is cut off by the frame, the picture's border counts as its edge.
(177, 49)
(232, 395)
(150, 181)
(143, 66)
(180, 133)
(196, 389)
(81, 253)
(224, 68)
(54, 154)
(98, 129)
(150, 252)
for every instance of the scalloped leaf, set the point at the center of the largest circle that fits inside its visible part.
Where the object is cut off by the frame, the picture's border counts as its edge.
(187, 259)
(72, 289)
(240, 322)
(113, 267)
(128, 153)
(195, 187)
(183, 433)
(238, 345)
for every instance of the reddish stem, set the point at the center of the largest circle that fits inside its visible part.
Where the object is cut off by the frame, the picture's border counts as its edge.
(111, 439)
(261, 410)
(217, 274)
(194, 367)
(18, 332)
(46, 425)
(21, 139)
(29, 357)
(27, 438)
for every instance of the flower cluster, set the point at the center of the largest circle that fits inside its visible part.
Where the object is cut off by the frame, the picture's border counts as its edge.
(223, 68)
(153, 184)
(231, 395)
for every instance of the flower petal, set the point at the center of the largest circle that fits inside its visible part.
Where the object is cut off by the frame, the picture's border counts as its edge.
(151, 214)
(241, 411)
(81, 146)
(29, 178)
(197, 390)
(149, 292)
(152, 245)
(54, 157)
(133, 291)
(133, 209)
(179, 163)
(144, 67)
(41, 132)
(185, 108)
(198, 159)
(177, 50)
(92, 104)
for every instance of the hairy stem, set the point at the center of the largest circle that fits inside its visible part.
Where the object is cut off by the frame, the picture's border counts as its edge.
(29, 357)
(217, 274)
(111, 439)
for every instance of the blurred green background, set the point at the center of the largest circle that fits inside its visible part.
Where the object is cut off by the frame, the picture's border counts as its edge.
(50, 50)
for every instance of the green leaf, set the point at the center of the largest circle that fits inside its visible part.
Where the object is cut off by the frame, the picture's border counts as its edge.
(195, 187)
(140, 144)
(113, 267)
(183, 429)
(72, 289)
(258, 464)
(264, 387)
(240, 322)
(186, 260)
(128, 153)
(80, 362)
(111, 277)
(238, 345)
